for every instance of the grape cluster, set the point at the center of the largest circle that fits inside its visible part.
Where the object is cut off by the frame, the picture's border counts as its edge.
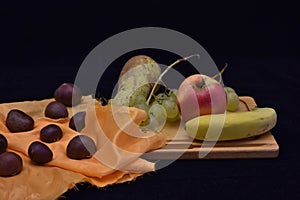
(162, 108)
(168, 101)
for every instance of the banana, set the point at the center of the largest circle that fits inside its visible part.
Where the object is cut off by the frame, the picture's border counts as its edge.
(232, 125)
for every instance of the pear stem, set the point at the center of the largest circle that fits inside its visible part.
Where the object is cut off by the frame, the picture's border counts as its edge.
(166, 70)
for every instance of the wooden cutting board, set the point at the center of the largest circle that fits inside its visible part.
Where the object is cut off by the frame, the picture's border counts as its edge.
(181, 146)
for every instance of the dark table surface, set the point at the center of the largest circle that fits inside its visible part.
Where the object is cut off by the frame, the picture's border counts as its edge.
(43, 46)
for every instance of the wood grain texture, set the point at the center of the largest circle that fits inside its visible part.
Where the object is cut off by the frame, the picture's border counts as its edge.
(181, 146)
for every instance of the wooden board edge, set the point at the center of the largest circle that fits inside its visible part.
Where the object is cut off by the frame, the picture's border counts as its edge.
(267, 150)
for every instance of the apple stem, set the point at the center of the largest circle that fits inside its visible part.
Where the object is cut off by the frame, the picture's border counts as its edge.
(220, 73)
(166, 70)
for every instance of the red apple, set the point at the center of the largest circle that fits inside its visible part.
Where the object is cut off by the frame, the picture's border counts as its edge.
(200, 95)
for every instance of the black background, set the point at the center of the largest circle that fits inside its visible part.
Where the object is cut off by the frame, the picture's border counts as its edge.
(42, 44)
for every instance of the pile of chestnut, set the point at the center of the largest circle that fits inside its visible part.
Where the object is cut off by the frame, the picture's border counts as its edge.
(79, 147)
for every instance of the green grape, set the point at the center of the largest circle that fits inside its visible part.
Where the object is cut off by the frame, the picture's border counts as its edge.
(174, 119)
(174, 91)
(229, 89)
(160, 97)
(232, 99)
(171, 109)
(157, 118)
(172, 96)
(142, 105)
(155, 102)
(136, 99)
(158, 111)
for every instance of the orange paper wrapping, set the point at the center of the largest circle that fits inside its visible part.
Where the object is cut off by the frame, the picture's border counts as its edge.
(114, 129)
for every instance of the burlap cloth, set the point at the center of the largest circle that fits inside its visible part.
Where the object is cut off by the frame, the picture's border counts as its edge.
(119, 142)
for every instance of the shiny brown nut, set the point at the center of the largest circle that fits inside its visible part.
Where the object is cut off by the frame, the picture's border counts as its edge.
(81, 147)
(10, 164)
(77, 122)
(3, 143)
(56, 110)
(39, 153)
(68, 94)
(51, 133)
(19, 121)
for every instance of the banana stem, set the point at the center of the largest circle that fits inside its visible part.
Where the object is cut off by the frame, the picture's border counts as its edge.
(166, 70)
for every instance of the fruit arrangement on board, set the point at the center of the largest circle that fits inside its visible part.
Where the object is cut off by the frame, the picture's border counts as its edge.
(206, 107)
